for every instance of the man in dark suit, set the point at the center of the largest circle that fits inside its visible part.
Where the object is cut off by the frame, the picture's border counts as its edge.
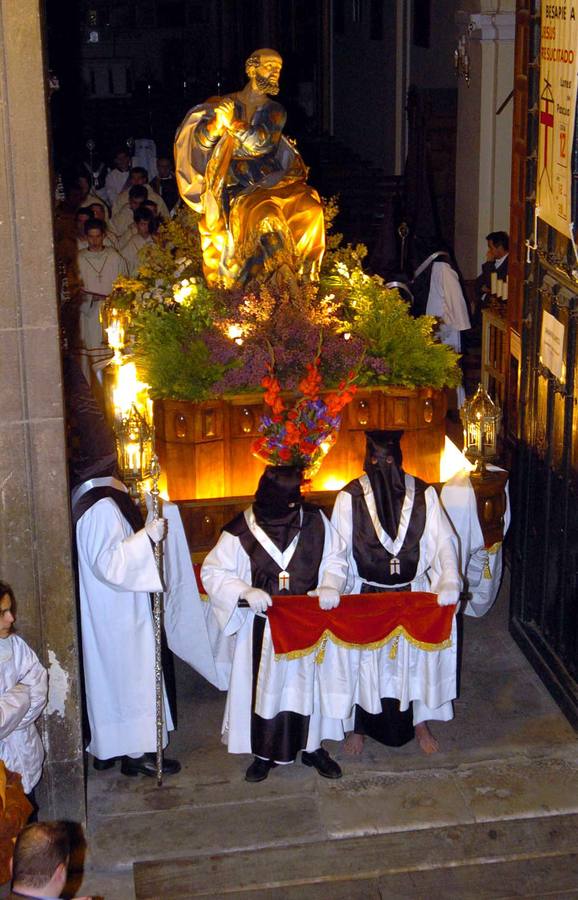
(496, 261)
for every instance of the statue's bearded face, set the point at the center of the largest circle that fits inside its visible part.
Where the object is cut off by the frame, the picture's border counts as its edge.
(265, 74)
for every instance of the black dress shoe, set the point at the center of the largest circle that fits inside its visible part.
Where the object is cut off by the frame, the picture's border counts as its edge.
(259, 769)
(321, 761)
(101, 764)
(147, 765)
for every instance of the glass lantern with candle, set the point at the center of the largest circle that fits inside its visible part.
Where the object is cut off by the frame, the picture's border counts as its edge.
(481, 419)
(132, 412)
(134, 438)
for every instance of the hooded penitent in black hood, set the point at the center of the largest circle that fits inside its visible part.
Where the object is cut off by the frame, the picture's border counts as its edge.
(278, 502)
(383, 459)
(92, 443)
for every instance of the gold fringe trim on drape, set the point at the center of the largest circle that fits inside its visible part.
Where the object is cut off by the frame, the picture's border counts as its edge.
(321, 645)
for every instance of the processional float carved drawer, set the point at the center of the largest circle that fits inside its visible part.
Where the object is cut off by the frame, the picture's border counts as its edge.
(205, 448)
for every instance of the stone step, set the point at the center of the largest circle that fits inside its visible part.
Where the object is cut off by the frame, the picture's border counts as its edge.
(210, 810)
(529, 857)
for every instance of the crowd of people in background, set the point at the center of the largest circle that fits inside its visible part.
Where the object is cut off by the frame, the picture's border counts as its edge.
(103, 222)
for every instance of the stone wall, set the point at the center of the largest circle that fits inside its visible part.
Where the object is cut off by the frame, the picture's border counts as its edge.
(35, 555)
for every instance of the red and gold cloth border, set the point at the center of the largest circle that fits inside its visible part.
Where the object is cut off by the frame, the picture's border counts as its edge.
(361, 621)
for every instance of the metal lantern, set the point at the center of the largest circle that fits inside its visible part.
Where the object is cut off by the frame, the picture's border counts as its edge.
(481, 420)
(134, 436)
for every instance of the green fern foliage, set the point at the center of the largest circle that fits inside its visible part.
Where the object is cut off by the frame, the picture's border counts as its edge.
(173, 356)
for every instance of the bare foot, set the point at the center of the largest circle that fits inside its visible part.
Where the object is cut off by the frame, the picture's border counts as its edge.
(354, 744)
(425, 738)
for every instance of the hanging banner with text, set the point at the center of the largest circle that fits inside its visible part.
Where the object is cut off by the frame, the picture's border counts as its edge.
(558, 71)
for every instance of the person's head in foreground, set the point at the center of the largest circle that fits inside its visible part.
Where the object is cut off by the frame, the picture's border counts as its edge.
(7, 610)
(40, 861)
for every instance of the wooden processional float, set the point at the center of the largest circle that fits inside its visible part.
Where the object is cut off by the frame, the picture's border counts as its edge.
(205, 454)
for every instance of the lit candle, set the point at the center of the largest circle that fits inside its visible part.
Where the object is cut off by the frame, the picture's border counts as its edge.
(493, 280)
(133, 456)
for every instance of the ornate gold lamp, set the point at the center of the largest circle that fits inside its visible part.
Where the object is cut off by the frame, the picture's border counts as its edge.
(133, 428)
(134, 437)
(481, 420)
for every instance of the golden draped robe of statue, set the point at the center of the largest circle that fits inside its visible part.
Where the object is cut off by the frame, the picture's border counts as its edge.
(258, 214)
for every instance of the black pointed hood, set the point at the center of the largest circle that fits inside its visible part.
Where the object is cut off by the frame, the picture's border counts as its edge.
(92, 444)
(383, 465)
(278, 503)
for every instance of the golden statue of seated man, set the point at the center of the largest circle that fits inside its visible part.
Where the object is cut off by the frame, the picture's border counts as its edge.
(260, 219)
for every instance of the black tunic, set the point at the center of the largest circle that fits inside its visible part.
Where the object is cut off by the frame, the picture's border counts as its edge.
(372, 559)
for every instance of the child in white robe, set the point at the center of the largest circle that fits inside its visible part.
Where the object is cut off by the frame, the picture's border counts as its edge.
(23, 696)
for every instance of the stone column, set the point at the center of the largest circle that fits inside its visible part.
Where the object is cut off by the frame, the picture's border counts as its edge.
(35, 555)
(484, 139)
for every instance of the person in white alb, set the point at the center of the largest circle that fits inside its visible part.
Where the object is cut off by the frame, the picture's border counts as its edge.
(98, 267)
(145, 224)
(138, 175)
(117, 572)
(119, 176)
(123, 220)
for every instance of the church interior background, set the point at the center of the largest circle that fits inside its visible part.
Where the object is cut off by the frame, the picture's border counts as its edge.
(423, 110)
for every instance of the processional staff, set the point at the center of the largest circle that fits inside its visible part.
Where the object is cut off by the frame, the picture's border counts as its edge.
(158, 615)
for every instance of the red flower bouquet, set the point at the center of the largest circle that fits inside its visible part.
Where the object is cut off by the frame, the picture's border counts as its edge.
(303, 433)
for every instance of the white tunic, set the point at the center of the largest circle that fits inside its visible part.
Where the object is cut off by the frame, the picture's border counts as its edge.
(190, 624)
(117, 570)
(99, 269)
(323, 692)
(413, 675)
(23, 694)
(446, 301)
(131, 252)
(115, 182)
(481, 569)
(123, 199)
(122, 222)
(109, 241)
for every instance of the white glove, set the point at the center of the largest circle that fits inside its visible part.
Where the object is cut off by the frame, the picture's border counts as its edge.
(328, 597)
(156, 529)
(448, 597)
(257, 599)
